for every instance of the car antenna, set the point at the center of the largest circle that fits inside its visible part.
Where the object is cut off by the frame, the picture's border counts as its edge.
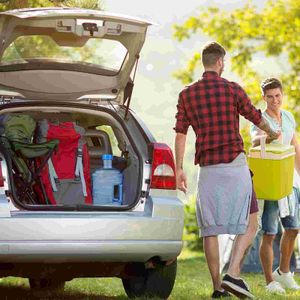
(129, 88)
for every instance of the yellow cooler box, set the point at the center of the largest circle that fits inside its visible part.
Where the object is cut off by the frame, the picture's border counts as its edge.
(273, 168)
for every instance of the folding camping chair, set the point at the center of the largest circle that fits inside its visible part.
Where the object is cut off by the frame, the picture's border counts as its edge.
(25, 169)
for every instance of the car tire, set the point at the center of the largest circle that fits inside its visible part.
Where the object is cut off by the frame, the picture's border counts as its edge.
(154, 283)
(45, 283)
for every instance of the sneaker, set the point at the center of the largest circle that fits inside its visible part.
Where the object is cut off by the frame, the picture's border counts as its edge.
(285, 279)
(275, 287)
(236, 286)
(219, 294)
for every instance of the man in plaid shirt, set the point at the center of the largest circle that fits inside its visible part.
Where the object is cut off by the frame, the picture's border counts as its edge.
(225, 202)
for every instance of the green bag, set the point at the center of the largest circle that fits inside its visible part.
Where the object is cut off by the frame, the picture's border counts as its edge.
(19, 128)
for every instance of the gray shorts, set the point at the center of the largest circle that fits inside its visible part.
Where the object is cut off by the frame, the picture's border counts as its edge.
(223, 198)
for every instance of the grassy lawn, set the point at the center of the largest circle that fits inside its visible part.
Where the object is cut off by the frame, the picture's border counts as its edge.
(192, 282)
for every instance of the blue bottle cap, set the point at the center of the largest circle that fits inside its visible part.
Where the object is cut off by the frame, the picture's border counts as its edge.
(107, 156)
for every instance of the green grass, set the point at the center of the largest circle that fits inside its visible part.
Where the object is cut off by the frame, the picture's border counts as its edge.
(193, 282)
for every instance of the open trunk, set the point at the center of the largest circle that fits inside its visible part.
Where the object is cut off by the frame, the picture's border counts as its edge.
(96, 187)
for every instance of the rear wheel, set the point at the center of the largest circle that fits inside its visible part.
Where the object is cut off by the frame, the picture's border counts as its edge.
(153, 283)
(46, 283)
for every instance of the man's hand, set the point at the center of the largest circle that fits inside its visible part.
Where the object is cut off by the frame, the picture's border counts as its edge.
(256, 140)
(273, 135)
(181, 181)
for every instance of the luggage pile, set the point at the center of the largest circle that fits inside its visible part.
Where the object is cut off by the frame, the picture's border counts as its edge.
(51, 163)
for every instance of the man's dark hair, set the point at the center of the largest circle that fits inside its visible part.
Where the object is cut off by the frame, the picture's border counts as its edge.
(211, 52)
(270, 83)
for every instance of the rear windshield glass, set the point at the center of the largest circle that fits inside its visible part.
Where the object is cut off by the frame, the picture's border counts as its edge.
(102, 53)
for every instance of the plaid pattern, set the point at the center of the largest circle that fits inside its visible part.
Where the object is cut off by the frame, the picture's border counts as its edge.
(212, 107)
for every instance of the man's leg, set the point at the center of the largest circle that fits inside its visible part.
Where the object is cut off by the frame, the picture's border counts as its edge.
(286, 250)
(231, 281)
(243, 242)
(211, 249)
(287, 244)
(283, 274)
(241, 245)
(291, 225)
(267, 256)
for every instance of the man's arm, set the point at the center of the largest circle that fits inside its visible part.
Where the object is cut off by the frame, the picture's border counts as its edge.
(271, 134)
(181, 181)
(181, 128)
(295, 143)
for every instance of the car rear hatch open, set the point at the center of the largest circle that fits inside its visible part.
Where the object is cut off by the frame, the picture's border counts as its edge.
(69, 54)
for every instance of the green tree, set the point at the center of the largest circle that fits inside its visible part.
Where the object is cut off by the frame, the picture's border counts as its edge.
(15, 4)
(91, 4)
(245, 32)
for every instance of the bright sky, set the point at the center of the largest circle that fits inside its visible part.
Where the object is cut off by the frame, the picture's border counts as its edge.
(168, 11)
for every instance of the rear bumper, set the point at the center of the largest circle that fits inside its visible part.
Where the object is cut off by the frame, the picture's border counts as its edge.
(88, 251)
(94, 236)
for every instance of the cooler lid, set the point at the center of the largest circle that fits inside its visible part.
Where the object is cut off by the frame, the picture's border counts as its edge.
(273, 151)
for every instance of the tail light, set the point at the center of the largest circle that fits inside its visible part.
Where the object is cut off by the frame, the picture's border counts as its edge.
(163, 168)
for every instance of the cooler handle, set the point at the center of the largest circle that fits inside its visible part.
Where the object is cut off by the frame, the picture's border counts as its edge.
(263, 146)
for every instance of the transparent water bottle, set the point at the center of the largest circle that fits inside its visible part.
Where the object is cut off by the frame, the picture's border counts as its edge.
(106, 181)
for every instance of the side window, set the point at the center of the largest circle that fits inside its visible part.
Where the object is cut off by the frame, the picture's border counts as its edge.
(114, 143)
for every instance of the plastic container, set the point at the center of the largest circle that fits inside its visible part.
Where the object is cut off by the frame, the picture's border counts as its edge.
(107, 184)
(273, 168)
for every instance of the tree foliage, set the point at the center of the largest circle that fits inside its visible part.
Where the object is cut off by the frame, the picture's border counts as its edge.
(15, 4)
(247, 32)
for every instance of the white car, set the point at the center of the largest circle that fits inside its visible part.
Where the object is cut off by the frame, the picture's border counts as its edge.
(75, 65)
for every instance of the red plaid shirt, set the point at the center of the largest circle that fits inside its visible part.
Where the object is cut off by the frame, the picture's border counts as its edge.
(212, 107)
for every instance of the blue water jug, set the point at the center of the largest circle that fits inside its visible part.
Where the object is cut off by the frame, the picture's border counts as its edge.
(107, 181)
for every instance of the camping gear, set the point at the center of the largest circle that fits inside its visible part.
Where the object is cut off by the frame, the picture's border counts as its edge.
(273, 168)
(107, 183)
(17, 134)
(19, 128)
(66, 177)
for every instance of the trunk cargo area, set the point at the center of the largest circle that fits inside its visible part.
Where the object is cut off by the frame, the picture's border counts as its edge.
(70, 159)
